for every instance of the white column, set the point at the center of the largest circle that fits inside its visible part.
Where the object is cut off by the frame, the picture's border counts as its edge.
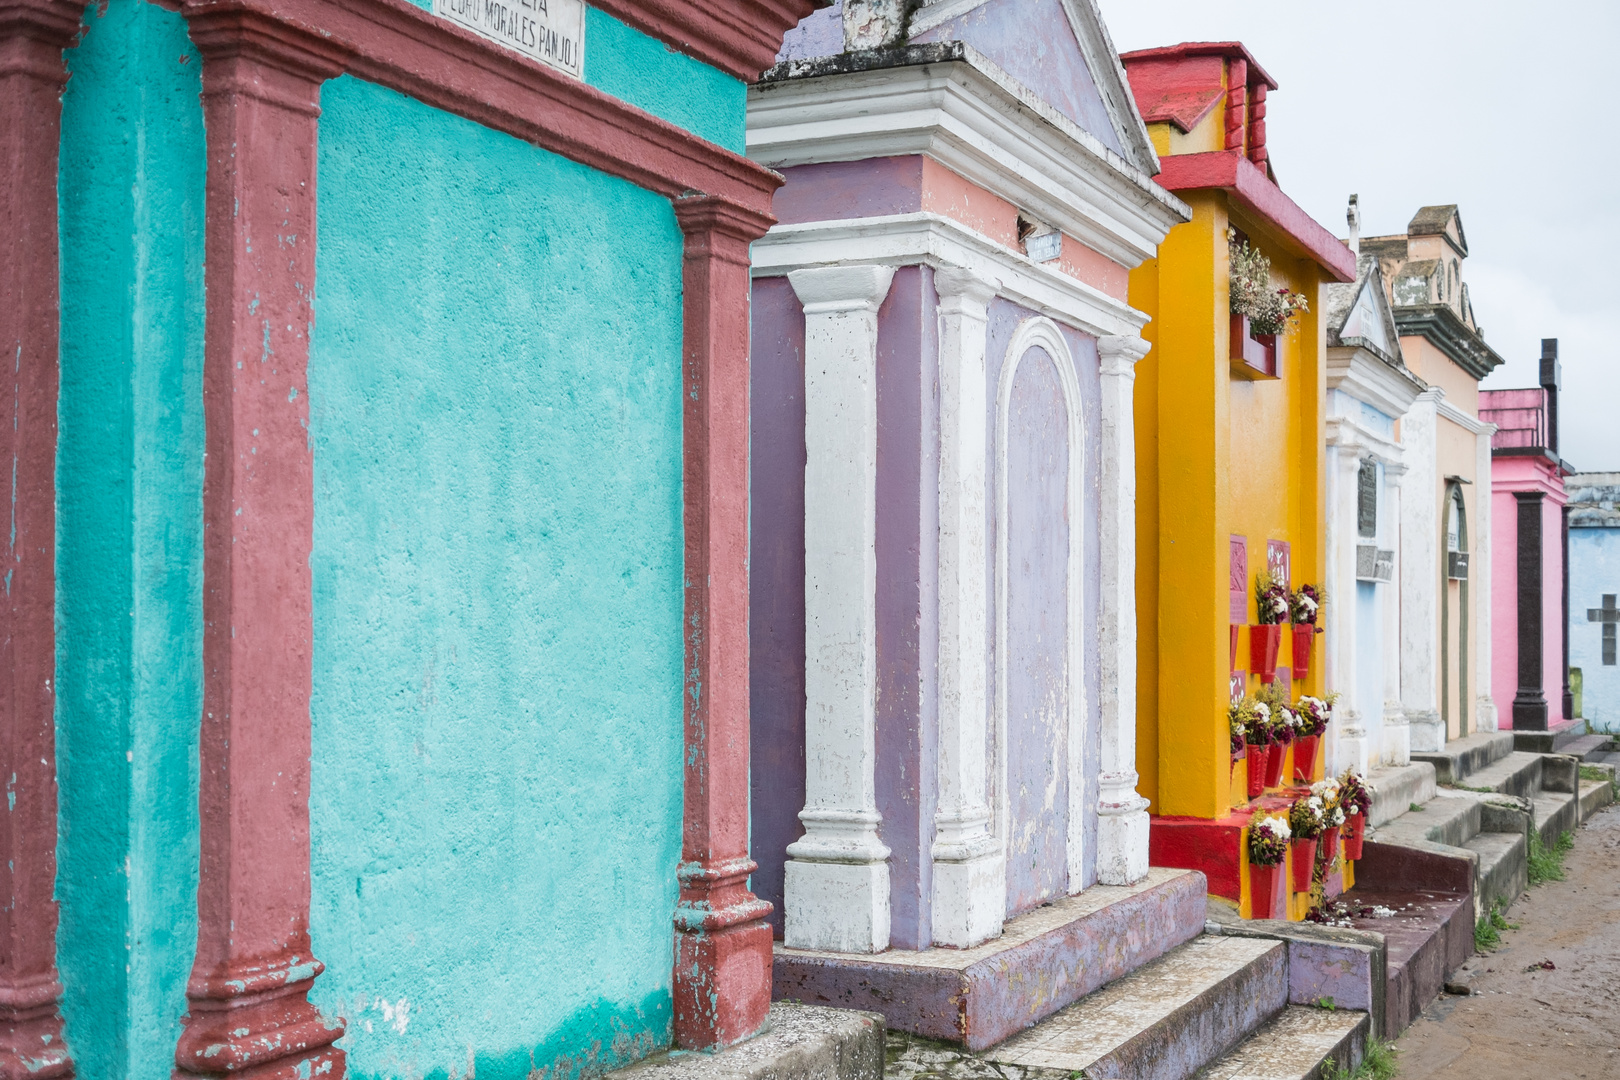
(1122, 822)
(970, 873)
(1397, 734)
(1479, 574)
(837, 879)
(1420, 574)
(1347, 734)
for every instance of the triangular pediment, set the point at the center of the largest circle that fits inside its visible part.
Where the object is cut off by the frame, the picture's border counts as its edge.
(1367, 320)
(1060, 49)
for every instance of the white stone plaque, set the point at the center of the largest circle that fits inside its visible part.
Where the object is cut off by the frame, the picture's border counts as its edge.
(550, 31)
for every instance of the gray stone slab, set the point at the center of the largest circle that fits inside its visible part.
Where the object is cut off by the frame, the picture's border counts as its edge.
(1169, 1019)
(1518, 773)
(1503, 871)
(1556, 813)
(1467, 755)
(1295, 1045)
(1595, 795)
(1395, 789)
(799, 1042)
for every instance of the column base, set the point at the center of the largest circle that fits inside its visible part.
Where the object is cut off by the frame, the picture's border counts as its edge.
(1530, 712)
(722, 984)
(262, 1034)
(1351, 752)
(1428, 732)
(1397, 751)
(31, 1046)
(970, 900)
(836, 907)
(1485, 713)
(1122, 846)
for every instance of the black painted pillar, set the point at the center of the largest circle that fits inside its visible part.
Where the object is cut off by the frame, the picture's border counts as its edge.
(1530, 703)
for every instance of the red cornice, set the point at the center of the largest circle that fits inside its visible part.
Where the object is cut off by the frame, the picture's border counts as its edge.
(398, 45)
(740, 37)
(1252, 191)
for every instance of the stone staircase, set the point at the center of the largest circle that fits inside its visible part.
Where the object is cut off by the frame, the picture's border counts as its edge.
(1480, 799)
(1218, 1007)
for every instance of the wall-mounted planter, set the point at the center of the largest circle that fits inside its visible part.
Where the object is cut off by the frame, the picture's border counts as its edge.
(1257, 770)
(1330, 846)
(1355, 830)
(1275, 755)
(1301, 863)
(1264, 642)
(1253, 356)
(1304, 638)
(1305, 757)
(1263, 891)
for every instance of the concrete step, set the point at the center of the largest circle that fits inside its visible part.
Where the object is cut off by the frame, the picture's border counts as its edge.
(1467, 755)
(1395, 789)
(1296, 1044)
(1552, 741)
(1556, 813)
(1451, 817)
(1595, 795)
(798, 1042)
(1165, 1021)
(982, 995)
(1503, 872)
(1517, 773)
(1585, 747)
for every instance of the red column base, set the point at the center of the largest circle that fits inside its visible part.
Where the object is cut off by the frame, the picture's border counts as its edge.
(31, 1046)
(271, 1034)
(722, 984)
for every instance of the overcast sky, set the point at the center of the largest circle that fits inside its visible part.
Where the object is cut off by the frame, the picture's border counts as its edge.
(1505, 109)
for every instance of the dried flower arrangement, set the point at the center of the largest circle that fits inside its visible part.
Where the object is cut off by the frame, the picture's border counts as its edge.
(1269, 309)
(1314, 713)
(1306, 603)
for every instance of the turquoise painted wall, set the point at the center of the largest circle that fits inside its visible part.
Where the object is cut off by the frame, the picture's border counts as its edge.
(622, 61)
(495, 412)
(129, 536)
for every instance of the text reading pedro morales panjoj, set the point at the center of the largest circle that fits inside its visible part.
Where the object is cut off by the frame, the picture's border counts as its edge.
(550, 31)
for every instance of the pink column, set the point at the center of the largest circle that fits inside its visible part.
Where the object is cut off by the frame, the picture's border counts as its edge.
(33, 34)
(250, 1015)
(722, 942)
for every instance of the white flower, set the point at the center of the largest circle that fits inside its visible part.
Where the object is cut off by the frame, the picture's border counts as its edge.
(1314, 803)
(1277, 827)
(1262, 710)
(1308, 604)
(1337, 816)
(1279, 606)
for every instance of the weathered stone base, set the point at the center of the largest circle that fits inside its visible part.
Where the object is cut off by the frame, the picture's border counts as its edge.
(1043, 961)
(798, 1042)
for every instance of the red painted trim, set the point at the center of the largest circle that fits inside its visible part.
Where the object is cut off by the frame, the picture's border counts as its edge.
(740, 37)
(398, 45)
(722, 942)
(32, 75)
(1233, 50)
(250, 1014)
(1252, 191)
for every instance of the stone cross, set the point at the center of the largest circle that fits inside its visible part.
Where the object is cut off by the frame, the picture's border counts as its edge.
(1608, 615)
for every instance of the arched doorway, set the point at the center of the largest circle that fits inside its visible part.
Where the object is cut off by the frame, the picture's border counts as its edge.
(1454, 614)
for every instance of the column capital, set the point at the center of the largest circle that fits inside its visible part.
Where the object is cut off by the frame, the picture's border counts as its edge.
(718, 216)
(834, 289)
(250, 53)
(1120, 352)
(964, 290)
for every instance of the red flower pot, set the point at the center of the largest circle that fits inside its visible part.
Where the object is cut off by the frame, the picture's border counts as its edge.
(1252, 356)
(1274, 763)
(1305, 757)
(1263, 644)
(1355, 830)
(1257, 770)
(1330, 845)
(1263, 891)
(1304, 637)
(1301, 862)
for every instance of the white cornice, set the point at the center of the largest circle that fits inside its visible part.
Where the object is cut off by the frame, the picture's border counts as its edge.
(976, 120)
(934, 240)
(1471, 423)
(1365, 377)
(1348, 435)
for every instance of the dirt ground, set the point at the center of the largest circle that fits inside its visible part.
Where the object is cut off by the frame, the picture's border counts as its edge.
(1524, 1019)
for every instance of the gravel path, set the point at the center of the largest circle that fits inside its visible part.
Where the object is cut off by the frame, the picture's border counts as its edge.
(1546, 1001)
